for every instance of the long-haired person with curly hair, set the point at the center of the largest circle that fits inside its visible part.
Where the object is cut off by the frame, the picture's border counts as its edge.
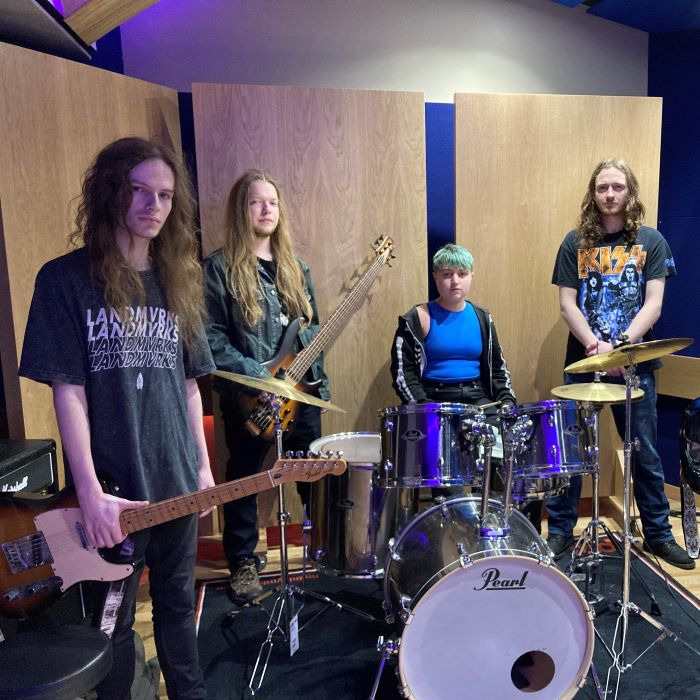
(256, 288)
(116, 328)
(630, 263)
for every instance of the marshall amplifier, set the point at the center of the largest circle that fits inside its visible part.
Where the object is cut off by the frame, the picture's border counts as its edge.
(28, 465)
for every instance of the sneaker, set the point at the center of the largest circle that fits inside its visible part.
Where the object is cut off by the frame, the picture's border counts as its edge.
(261, 562)
(244, 584)
(560, 544)
(671, 553)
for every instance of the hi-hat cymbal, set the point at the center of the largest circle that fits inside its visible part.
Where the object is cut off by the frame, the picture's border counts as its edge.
(278, 387)
(595, 392)
(629, 354)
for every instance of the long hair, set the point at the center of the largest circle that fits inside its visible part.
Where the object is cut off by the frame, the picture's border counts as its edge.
(589, 227)
(104, 202)
(241, 259)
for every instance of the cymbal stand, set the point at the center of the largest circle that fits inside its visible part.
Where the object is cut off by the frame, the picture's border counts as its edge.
(617, 650)
(284, 617)
(589, 540)
(586, 554)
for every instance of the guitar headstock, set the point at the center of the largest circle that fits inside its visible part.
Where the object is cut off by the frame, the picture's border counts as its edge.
(384, 248)
(307, 469)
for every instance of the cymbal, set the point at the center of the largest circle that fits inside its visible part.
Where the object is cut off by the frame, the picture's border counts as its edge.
(278, 387)
(595, 392)
(629, 354)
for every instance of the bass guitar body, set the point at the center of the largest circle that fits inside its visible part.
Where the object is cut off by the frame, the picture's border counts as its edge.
(257, 410)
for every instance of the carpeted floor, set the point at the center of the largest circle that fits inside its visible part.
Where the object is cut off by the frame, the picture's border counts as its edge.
(337, 657)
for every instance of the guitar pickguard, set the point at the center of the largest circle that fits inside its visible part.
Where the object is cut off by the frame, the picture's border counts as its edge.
(74, 559)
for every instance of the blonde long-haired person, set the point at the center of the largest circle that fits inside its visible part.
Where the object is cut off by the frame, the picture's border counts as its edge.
(255, 288)
(115, 328)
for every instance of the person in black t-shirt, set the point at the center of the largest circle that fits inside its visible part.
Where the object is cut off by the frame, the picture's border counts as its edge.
(115, 328)
(633, 262)
(255, 289)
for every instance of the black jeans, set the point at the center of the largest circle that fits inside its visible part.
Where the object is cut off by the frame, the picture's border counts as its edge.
(246, 455)
(170, 552)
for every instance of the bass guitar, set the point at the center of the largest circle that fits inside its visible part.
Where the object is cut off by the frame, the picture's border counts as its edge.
(286, 364)
(45, 550)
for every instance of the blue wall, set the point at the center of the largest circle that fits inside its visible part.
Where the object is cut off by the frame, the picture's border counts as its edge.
(674, 66)
(440, 179)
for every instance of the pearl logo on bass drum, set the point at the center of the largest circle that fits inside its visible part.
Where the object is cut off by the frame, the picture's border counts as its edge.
(494, 582)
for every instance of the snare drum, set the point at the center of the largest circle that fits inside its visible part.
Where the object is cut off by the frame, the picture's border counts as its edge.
(428, 445)
(489, 615)
(353, 518)
(558, 439)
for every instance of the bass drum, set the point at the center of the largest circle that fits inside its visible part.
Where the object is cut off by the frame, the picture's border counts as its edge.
(353, 518)
(484, 618)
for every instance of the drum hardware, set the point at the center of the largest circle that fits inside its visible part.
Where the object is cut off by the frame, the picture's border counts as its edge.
(284, 615)
(515, 438)
(387, 648)
(628, 356)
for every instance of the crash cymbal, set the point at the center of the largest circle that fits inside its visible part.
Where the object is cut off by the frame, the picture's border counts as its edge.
(595, 392)
(278, 387)
(629, 354)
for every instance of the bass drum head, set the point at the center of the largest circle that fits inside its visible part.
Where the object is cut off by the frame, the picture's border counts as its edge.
(503, 627)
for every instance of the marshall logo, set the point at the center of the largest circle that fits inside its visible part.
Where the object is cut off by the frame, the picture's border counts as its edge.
(413, 435)
(494, 582)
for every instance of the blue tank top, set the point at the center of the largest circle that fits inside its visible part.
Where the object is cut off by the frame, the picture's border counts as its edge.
(453, 345)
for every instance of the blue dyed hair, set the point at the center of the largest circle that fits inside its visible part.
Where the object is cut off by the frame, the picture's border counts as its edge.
(455, 256)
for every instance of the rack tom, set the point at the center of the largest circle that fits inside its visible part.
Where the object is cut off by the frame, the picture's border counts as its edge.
(430, 444)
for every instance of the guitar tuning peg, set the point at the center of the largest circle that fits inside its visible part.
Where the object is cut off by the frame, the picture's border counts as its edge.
(289, 454)
(311, 454)
(339, 454)
(300, 454)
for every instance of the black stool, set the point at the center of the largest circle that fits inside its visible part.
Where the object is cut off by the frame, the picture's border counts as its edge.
(58, 663)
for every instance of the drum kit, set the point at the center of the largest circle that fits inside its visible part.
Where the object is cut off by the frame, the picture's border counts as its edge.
(469, 585)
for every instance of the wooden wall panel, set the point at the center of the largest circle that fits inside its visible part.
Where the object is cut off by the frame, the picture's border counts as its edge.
(680, 376)
(522, 167)
(55, 116)
(352, 166)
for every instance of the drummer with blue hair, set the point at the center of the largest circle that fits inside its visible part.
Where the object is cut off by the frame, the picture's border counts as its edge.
(447, 350)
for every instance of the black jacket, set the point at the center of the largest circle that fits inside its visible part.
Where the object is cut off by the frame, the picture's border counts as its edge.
(408, 359)
(235, 346)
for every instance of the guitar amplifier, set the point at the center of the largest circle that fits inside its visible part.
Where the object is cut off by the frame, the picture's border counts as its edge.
(28, 465)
